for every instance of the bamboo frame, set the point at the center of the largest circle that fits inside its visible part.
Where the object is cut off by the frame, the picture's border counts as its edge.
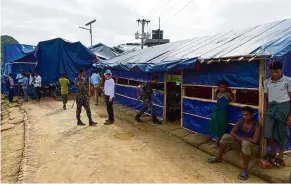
(165, 97)
(239, 88)
(214, 101)
(135, 99)
(137, 87)
(262, 76)
(182, 95)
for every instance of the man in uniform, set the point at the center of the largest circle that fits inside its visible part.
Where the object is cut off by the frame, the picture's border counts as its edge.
(82, 98)
(145, 93)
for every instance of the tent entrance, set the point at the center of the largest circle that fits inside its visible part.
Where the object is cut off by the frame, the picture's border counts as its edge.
(173, 102)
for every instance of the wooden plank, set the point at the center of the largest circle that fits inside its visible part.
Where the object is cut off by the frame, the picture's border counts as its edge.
(165, 97)
(182, 95)
(238, 88)
(214, 101)
(262, 76)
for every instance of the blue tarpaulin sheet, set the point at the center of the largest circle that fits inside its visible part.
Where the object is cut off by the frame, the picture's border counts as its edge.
(132, 103)
(15, 52)
(242, 74)
(205, 109)
(137, 76)
(58, 56)
(265, 40)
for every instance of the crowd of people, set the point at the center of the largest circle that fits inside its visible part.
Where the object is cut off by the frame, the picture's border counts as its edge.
(27, 83)
(244, 136)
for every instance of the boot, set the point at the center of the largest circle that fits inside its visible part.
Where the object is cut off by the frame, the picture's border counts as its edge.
(92, 123)
(64, 107)
(80, 122)
(156, 120)
(137, 118)
(109, 122)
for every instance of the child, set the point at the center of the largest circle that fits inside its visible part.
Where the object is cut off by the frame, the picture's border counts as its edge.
(64, 82)
(219, 121)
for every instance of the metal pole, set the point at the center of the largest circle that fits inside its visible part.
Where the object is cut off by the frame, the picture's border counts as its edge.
(159, 29)
(91, 33)
(142, 33)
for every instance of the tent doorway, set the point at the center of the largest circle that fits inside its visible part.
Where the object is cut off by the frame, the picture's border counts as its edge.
(173, 102)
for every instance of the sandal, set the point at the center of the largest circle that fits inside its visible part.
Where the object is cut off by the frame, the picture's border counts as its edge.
(243, 175)
(213, 160)
(279, 162)
(270, 158)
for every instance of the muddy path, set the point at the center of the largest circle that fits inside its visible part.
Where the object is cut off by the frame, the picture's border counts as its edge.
(59, 151)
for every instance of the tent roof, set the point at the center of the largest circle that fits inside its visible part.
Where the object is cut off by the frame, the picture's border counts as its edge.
(14, 52)
(103, 52)
(265, 40)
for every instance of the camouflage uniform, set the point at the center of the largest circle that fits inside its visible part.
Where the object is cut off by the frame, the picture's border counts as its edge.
(82, 98)
(147, 98)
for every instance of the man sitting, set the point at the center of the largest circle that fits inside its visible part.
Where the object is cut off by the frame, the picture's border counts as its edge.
(245, 136)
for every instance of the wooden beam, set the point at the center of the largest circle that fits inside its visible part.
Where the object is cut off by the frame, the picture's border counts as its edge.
(182, 95)
(239, 88)
(262, 76)
(165, 97)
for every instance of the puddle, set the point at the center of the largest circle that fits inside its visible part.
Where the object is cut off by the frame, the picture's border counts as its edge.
(124, 135)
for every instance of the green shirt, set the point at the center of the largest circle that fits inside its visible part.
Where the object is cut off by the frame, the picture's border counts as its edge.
(64, 85)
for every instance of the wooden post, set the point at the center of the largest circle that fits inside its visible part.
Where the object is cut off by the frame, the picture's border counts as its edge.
(182, 95)
(213, 93)
(262, 76)
(165, 98)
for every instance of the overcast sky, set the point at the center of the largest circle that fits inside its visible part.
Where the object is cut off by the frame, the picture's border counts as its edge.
(31, 21)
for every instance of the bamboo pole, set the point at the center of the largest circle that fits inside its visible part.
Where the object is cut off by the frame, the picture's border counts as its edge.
(165, 97)
(262, 76)
(182, 95)
(239, 88)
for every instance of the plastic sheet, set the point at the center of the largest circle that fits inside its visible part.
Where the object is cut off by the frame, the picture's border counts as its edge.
(15, 52)
(137, 76)
(241, 74)
(136, 105)
(57, 56)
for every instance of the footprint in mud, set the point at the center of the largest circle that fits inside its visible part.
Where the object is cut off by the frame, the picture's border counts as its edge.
(124, 135)
(103, 116)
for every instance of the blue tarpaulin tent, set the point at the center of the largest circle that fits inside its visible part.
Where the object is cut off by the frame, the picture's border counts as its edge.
(239, 57)
(103, 52)
(18, 57)
(57, 56)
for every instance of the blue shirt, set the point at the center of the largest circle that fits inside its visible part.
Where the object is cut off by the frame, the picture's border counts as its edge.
(25, 83)
(19, 78)
(95, 79)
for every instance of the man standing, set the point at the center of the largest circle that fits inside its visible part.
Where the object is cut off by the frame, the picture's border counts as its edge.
(19, 78)
(82, 98)
(25, 84)
(109, 89)
(278, 92)
(64, 82)
(96, 82)
(244, 137)
(145, 93)
(11, 88)
(37, 85)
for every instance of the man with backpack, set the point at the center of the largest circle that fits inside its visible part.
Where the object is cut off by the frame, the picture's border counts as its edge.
(10, 86)
(145, 93)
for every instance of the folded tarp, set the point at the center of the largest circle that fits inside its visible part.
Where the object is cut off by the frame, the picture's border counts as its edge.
(58, 56)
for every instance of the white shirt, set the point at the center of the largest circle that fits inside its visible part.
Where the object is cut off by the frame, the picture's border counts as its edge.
(37, 82)
(278, 91)
(109, 88)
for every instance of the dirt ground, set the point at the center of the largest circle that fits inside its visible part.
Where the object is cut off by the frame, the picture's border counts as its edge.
(56, 150)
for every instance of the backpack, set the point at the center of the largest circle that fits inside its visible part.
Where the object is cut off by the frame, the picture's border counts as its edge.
(6, 81)
(143, 91)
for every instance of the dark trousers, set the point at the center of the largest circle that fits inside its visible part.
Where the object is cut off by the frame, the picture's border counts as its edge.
(86, 105)
(109, 106)
(11, 94)
(20, 91)
(148, 105)
(38, 93)
(65, 99)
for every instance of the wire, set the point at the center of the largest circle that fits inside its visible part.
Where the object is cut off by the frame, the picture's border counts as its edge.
(154, 7)
(191, 1)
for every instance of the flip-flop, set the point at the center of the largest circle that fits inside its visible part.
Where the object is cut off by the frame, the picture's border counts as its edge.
(213, 160)
(243, 175)
(279, 162)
